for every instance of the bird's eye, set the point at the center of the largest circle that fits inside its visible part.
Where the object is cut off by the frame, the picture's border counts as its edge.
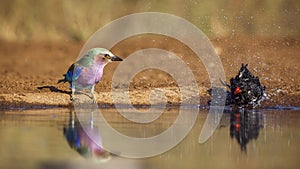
(107, 56)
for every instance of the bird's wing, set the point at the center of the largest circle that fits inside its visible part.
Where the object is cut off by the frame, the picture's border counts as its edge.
(73, 72)
(85, 61)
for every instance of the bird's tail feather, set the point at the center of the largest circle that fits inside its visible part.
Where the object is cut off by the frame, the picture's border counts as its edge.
(62, 80)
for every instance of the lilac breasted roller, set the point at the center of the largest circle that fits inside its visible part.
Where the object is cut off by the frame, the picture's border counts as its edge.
(88, 70)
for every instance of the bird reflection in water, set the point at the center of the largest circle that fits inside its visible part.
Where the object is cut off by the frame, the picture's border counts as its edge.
(81, 142)
(245, 126)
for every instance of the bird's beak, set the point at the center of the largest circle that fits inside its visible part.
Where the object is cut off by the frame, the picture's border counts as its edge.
(116, 58)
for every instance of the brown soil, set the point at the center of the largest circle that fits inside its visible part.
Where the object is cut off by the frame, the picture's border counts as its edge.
(26, 66)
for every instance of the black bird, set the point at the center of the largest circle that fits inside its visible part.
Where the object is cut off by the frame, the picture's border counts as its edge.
(245, 89)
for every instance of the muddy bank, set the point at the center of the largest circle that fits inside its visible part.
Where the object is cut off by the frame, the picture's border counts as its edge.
(29, 71)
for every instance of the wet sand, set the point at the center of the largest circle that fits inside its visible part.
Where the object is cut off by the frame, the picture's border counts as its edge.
(29, 70)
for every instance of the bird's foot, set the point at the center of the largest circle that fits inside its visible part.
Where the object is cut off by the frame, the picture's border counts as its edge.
(72, 99)
(94, 98)
(89, 96)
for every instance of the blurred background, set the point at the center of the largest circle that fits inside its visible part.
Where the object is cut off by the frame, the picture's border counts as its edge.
(75, 20)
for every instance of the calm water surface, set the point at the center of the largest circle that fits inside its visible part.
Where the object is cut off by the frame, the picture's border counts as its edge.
(53, 138)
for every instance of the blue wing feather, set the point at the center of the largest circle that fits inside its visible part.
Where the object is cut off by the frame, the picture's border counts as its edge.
(77, 72)
(73, 73)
